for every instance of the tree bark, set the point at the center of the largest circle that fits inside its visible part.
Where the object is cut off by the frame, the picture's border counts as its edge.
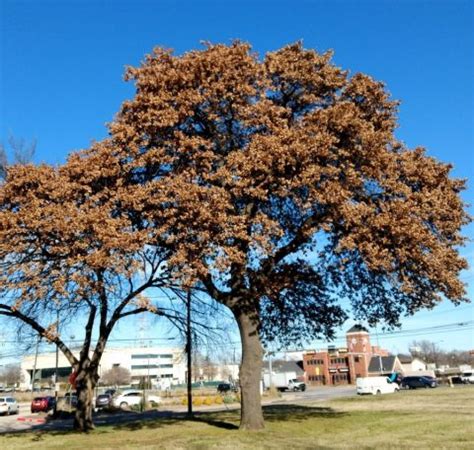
(251, 417)
(85, 384)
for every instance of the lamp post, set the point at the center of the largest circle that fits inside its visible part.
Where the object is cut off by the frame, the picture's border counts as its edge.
(188, 354)
(270, 369)
(34, 367)
(56, 384)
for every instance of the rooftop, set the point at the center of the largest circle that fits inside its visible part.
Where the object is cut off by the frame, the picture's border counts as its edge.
(357, 329)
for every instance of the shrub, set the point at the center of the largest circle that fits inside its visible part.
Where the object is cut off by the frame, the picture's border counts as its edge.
(228, 399)
(273, 392)
(152, 405)
(208, 401)
(218, 400)
(197, 401)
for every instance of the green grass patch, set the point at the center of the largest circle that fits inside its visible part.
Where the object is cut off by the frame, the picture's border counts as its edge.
(434, 418)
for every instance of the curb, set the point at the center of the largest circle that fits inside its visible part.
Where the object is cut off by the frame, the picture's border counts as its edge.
(31, 419)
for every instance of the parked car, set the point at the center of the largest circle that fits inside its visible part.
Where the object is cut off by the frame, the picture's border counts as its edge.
(133, 398)
(375, 386)
(70, 398)
(419, 382)
(111, 392)
(467, 377)
(8, 405)
(43, 404)
(103, 401)
(223, 388)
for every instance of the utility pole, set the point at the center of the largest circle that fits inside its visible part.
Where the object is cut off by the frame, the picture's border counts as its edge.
(56, 384)
(188, 352)
(34, 367)
(378, 347)
(270, 369)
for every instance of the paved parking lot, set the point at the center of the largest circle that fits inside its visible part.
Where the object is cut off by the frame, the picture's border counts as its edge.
(25, 420)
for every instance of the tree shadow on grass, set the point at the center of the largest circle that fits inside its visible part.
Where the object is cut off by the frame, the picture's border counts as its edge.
(298, 413)
(227, 420)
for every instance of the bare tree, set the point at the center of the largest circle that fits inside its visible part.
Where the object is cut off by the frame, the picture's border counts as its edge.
(431, 353)
(116, 376)
(209, 368)
(11, 375)
(22, 151)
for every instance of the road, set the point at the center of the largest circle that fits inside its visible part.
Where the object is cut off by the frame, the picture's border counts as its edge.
(39, 421)
(319, 393)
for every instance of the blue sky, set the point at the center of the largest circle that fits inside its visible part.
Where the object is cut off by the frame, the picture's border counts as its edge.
(62, 64)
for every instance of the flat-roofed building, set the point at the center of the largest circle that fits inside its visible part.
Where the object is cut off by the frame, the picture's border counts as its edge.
(167, 365)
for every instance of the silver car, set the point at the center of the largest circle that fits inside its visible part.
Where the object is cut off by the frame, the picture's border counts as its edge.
(8, 405)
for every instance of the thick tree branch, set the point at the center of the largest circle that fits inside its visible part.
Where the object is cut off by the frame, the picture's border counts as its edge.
(84, 354)
(10, 311)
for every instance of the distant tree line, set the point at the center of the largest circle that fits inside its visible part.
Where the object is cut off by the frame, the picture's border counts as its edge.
(431, 353)
(10, 375)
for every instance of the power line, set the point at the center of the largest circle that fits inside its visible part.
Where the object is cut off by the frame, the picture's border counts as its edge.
(397, 333)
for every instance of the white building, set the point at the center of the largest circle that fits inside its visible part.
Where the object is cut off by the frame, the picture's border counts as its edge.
(156, 363)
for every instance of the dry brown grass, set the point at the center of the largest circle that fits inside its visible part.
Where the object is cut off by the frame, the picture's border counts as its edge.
(429, 419)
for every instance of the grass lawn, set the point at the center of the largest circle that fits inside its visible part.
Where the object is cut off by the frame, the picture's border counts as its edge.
(428, 419)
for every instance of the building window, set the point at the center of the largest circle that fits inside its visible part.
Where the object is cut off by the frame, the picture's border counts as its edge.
(165, 366)
(338, 360)
(166, 355)
(356, 359)
(145, 356)
(319, 378)
(145, 366)
(315, 362)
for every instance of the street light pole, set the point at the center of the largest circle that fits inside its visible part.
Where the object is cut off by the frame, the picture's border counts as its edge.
(378, 349)
(188, 353)
(34, 367)
(56, 384)
(270, 369)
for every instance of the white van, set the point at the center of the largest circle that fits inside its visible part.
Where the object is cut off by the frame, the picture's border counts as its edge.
(375, 386)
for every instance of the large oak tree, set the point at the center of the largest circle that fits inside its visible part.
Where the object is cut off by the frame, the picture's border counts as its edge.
(281, 186)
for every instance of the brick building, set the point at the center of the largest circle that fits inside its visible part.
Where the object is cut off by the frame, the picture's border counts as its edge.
(335, 366)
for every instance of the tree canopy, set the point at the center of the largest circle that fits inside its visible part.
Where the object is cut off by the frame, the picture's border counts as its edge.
(286, 177)
(276, 186)
(283, 188)
(68, 252)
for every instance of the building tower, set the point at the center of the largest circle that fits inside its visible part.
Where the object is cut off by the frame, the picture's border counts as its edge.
(358, 340)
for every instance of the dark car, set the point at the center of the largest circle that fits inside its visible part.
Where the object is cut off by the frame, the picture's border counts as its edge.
(43, 404)
(70, 398)
(419, 382)
(222, 388)
(103, 401)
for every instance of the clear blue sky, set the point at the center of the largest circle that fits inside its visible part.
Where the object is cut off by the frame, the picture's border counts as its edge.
(62, 64)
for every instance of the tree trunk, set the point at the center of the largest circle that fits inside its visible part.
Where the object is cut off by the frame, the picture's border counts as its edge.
(251, 417)
(85, 384)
